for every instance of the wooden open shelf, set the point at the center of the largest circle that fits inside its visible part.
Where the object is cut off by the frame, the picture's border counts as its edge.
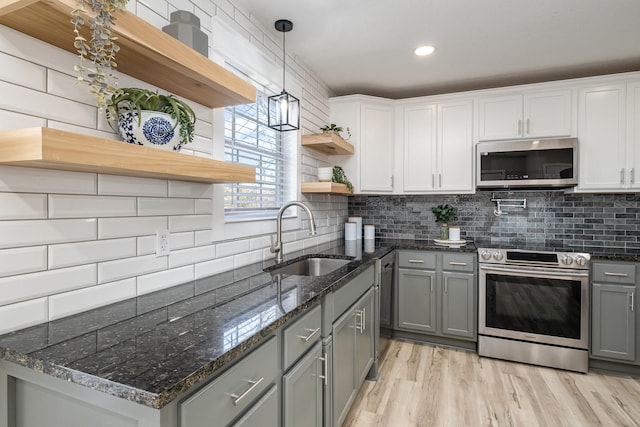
(56, 149)
(327, 142)
(146, 52)
(324, 187)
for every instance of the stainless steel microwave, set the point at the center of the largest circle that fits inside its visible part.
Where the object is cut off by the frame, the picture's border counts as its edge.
(539, 163)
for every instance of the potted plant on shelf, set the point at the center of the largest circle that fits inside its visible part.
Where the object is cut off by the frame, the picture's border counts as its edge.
(340, 177)
(100, 49)
(444, 215)
(332, 127)
(145, 117)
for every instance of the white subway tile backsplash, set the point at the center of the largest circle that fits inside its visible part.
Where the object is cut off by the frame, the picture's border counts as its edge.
(66, 86)
(29, 101)
(69, 254)
(131, 267)
(215, 266)
(191, 255)
(22, 206)
(23, 314)
(21, 72)
(33, 285)
(260, 242)
(149, 206)
(203, 206)
(193, 190)
(10, 120)
(39, 232)
(31, 180)
(67, 206)
(23, 260)
(164, 279)
(233, 247)
(203, 237)
(247, 258)
(147, 244)
(115, 185)
(68, 303)
(190, 223)
(111, 228)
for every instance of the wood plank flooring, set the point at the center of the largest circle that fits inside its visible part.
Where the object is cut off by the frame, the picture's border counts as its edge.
(424, 385)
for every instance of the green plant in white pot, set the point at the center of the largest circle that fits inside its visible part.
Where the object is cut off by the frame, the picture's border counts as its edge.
(145, 117)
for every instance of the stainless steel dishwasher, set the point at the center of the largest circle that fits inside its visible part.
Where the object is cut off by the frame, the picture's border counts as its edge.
(384, 306)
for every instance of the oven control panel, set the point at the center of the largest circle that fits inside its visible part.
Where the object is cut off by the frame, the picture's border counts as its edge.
(575, 260)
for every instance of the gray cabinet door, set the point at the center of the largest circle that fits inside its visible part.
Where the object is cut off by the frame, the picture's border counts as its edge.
(302, 394)
(344, 372)
(365, 352)
(458, 305)
(613, 322)
(417, 300)
(264, 413)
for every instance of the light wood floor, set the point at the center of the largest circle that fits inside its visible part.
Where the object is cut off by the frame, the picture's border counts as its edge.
(424, 385)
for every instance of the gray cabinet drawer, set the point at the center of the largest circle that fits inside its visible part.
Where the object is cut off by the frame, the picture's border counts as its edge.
(614, 273)
(226, 397)
(347, 295)
(458, 262)
(301, 335)
(417, 259)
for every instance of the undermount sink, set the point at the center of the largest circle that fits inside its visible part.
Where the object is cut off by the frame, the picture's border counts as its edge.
(314, 266)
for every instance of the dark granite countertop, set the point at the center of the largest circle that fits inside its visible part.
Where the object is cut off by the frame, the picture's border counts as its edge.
(152, 348)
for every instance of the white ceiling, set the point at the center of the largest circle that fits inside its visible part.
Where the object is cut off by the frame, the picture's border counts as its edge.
(366, 46)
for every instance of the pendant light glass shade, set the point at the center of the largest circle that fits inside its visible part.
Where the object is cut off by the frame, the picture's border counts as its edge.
(284, 108)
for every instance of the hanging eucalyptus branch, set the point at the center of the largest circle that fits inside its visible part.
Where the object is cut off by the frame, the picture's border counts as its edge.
(101, 49)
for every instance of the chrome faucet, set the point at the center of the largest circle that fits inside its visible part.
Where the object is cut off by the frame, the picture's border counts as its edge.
(276, 247)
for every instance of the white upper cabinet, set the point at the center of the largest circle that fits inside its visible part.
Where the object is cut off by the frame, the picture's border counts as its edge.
(536, 114)
(438, 148)
(633, 144)
(602, 141)
(371, 122)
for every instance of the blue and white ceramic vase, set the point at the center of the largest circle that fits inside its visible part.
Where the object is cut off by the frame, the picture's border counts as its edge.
(155, 129)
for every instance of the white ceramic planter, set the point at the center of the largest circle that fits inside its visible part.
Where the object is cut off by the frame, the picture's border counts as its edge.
(155, 129)
(325, 174)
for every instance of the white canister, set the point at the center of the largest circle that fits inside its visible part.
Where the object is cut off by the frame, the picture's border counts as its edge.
(358, 221)
(369, 232)
(325, 174)
(369, 246)
(454, 232)
(350, 231)
(351, 247)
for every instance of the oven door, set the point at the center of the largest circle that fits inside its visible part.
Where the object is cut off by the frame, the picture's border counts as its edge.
(535, 304)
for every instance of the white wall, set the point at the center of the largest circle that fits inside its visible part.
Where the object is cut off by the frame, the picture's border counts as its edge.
(72, 241)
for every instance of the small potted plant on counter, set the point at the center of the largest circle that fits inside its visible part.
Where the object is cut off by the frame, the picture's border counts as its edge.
(444, 215)
(145, 117)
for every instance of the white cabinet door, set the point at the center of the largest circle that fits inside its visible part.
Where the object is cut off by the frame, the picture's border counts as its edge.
(376, 148)
(633, 142)
(535, 114)
(500, 117)
(455, 147)
(419, 166)
(601, 137)
(547, 114)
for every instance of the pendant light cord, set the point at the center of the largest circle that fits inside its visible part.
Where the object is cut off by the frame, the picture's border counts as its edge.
(284, 60)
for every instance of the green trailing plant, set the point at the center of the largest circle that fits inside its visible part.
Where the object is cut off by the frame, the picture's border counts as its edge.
(97, 55)
(134, 99)
(340, 177)
(444, 213)
(332, 127)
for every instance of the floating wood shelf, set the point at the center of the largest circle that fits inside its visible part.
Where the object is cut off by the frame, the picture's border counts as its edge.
(327, 142)
(325, 187)
(146, 52)
(56, 149)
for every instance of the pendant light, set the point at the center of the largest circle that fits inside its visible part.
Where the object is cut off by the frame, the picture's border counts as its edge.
(284, 109)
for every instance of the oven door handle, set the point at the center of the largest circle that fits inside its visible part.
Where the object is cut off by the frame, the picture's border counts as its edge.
(558, 273)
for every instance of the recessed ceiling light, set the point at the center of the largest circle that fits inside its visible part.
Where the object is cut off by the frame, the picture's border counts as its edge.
(424, 50)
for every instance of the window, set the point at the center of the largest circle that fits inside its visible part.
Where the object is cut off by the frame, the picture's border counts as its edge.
(249, 141)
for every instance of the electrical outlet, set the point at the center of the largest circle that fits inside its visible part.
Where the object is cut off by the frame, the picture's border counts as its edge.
(162, 243)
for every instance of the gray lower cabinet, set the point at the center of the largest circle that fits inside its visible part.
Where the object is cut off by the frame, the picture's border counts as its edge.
(614, 321)
(437, 294)
(353, 354)
(302, 391)
(262, 411)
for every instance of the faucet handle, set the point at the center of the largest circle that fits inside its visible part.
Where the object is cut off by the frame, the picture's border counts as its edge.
(275, 245)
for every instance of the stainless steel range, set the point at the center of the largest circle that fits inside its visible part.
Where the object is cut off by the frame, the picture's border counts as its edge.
(534, 306)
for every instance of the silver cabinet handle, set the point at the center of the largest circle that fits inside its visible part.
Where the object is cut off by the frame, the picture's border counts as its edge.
(519, 126)
(462, 264)
(254, 384)
(440, 180)
(360, 315)
(632, 304)
(416, 261)
(606, 273)
(311, 334)
(325, 375)
(431, 289)
(391, 181)
(364, 319)
(632, 176)
(446, 287)
(622, 176)
(528, 126)
(433, 180)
